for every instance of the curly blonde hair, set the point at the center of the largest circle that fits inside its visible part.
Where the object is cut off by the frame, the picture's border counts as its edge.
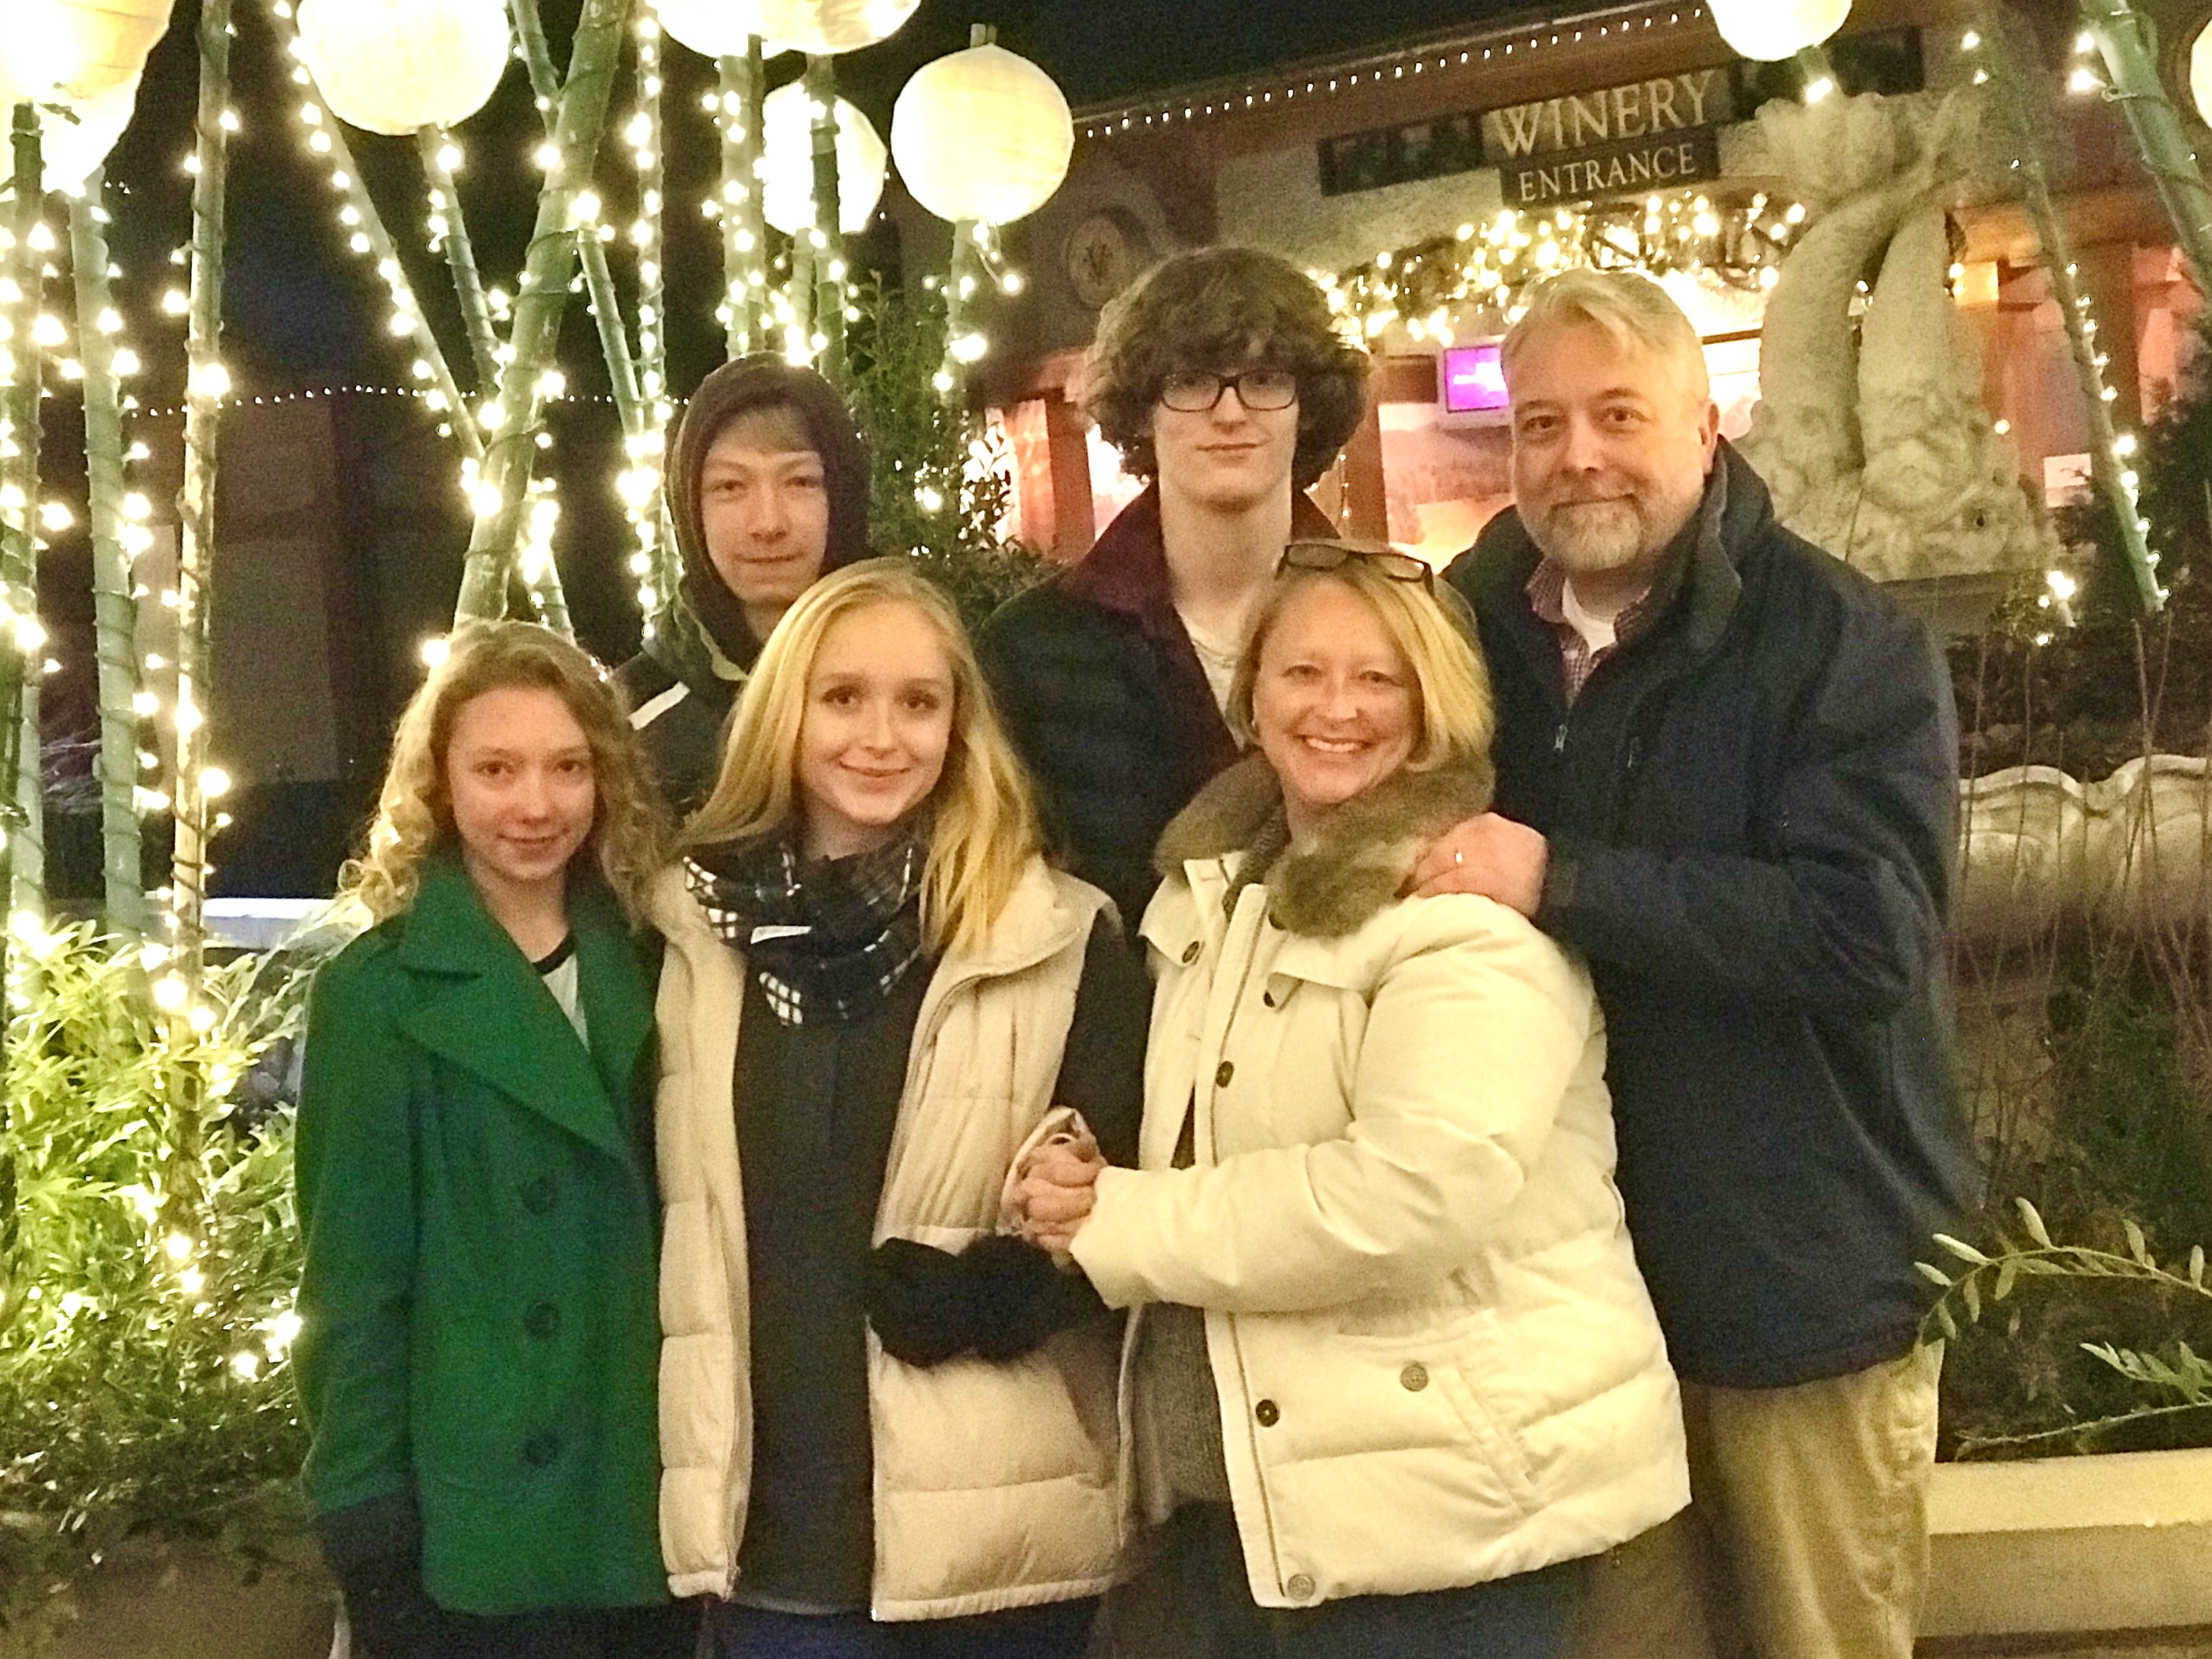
(630, 837)
(983, 827)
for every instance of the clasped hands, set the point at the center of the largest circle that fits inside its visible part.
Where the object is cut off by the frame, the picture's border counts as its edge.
(1055, 1189)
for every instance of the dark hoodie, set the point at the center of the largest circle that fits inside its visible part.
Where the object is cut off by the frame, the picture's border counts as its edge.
(681, 687)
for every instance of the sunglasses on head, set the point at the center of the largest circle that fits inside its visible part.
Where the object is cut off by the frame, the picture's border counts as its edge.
(1334, 555)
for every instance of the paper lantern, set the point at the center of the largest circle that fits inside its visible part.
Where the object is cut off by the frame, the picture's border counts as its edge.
(787, 163)
(827, 27)
(1772, 30)
(2200, 74)
(713, 28)
(62, 51)
(982, 134)
(69, 150)
(393, 66)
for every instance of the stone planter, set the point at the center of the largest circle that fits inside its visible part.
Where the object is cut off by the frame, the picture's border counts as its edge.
(2110, 1543)
(154, 1600)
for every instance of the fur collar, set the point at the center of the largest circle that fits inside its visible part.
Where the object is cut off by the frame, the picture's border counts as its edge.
(1358, 860)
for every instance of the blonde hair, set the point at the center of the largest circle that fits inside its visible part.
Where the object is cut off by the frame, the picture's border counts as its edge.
(629, 835)
(982, 821)
(1452, 708)
(1633, 311)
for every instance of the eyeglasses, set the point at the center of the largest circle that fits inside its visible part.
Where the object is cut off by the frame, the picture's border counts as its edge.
(1260, 389)
(1334, 555)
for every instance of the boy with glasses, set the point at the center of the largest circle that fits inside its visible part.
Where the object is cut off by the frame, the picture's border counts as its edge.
(1221, 379)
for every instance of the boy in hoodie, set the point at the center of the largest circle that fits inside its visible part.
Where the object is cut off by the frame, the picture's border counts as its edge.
(767, 484)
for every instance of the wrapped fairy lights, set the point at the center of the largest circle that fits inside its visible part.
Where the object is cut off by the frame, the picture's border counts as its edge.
(1472, 282)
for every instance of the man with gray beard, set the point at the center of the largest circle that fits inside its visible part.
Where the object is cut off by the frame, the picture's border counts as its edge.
(1727, 775)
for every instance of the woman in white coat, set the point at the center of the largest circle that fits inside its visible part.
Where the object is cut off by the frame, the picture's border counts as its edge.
(1394, 1374)
(887, 1424)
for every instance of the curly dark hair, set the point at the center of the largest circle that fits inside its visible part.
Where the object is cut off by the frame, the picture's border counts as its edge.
(1213, 309)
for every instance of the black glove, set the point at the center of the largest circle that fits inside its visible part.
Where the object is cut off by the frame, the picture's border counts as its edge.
(375, 1550)
(1021, 1296)
(919, 1300)
(998, 1298)
(389, 1613)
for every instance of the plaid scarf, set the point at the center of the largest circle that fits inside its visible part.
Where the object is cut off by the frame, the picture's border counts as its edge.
(828, 939)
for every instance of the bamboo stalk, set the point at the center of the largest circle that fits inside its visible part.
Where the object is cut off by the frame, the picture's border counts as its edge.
(115, 612)
(614, 338)
(962, 278)
(744, 230)
(386, 252)
(206, 383)
(539, 306)
(20, 656)
(828, 338)
(653, 305)
(26, 868)
(461, 259)
(2123, 40)
(2059, 261)
(28, 183)
(2027, 162)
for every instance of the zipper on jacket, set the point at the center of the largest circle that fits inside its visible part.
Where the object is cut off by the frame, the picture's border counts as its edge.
(1559, 740)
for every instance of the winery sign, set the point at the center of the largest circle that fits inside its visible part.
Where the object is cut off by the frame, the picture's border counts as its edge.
(1645, 136)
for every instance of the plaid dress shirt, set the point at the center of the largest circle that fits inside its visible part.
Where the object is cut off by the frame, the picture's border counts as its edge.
(1546, 592)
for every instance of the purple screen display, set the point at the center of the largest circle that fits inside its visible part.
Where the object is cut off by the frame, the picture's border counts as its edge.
(1473, 379)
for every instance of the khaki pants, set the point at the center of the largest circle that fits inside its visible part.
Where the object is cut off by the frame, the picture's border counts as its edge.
(1807, 1534)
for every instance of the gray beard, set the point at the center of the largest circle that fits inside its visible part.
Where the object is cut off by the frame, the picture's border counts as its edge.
(1591, 536)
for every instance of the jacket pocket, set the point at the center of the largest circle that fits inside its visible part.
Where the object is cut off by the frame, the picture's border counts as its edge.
(468, 1427)
(1498, 1444)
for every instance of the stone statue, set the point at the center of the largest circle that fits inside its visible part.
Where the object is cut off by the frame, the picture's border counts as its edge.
(1873, 437)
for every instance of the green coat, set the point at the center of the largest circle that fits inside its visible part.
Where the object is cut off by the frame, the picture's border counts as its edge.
(480, 1337)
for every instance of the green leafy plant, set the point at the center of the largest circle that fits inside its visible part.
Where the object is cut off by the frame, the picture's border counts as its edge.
(2151, 1391)
(940, 490)
(148, 1263)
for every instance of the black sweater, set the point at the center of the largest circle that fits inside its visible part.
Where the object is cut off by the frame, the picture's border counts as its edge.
(817, 1105)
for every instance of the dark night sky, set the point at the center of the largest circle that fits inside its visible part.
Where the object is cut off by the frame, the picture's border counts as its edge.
(300, 312)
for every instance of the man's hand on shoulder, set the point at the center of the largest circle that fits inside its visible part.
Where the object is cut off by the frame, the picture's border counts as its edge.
(1490, 856)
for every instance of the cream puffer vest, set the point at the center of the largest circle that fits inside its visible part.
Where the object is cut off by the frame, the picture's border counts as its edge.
(996, 1485)
(1435, 1361)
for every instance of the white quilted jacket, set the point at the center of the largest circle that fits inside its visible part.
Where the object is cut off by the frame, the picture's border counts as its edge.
(996, 1485)
(1435, 1360)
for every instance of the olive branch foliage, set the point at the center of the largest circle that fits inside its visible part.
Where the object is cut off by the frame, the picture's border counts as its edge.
(2170, 1382)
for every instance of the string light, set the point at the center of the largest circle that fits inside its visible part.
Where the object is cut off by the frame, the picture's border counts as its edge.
(1376, 71)
(2109, 447)
(1441, 288)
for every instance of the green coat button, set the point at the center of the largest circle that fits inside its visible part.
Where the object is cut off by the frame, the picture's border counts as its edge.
(541, 1448)
(543, 1321)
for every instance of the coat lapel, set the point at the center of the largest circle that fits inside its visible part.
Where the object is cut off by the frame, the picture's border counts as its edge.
(617, 998)
(484, 1009)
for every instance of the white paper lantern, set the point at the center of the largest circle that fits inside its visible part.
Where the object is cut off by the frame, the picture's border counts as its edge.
(67, 50)
(830, 25)
(2200, 74)
(788, 162)
(713, 28)
(69, 149)
(982, 134)
(1772, 30)
(393, 66)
